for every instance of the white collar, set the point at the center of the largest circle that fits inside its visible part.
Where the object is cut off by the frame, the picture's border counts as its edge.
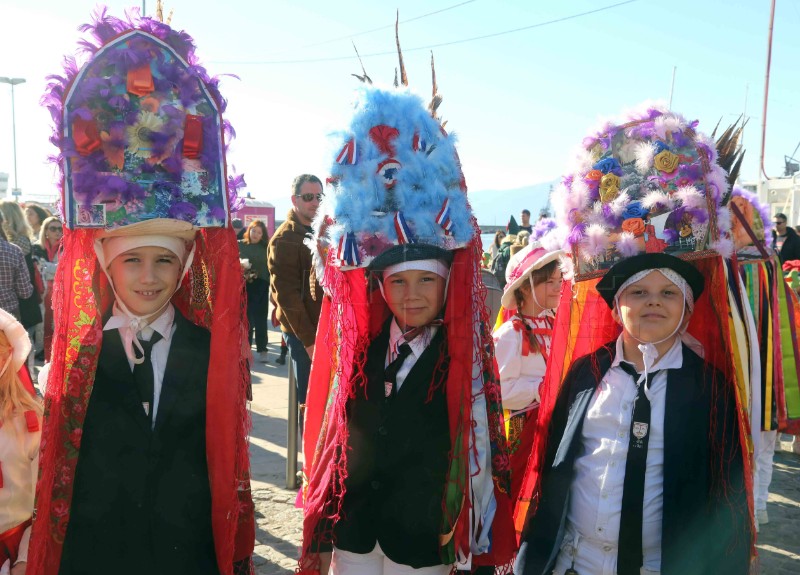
(673, 359)
(417, 345)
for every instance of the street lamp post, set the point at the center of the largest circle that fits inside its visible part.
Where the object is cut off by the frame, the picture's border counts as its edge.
(13, 82)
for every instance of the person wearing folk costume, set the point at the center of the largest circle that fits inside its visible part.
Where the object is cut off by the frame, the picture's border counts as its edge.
(522, 345)
(145, 466)
(406, 459)
(20, 433)
(641, 465)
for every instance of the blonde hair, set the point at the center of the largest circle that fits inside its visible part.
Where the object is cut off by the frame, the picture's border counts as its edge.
(14, 398)
(43, 229)
(14, 219)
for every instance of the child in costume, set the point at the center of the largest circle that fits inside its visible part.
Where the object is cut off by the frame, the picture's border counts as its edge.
(522, 345)
(20, 432)
(145, 466)
(641, 464)
(407, 468)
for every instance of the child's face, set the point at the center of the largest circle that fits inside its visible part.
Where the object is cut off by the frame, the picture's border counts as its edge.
(145, 278)
(415, 297)
(548, 292)
(651, 308)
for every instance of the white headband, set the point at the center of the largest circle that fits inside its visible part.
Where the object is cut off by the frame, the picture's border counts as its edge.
(114, 246)
(438, 267)
(668, 273)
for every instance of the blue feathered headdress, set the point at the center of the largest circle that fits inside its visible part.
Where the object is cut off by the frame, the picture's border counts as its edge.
(396, 179)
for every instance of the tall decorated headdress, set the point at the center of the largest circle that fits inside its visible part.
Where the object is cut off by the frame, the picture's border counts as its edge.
(396, 193)
(648, 183)
(141, 147)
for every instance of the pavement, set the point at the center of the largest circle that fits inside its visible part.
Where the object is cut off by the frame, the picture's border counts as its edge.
(279, 522)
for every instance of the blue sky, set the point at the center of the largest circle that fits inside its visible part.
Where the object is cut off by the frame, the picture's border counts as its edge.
(518, 102)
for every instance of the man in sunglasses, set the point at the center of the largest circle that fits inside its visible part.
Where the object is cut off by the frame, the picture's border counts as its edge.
(784, 239)
(289, 261)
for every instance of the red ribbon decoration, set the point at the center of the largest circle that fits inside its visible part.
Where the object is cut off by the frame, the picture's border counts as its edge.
(140, 81)
(86, 136)
(192, 137)
(520, 326)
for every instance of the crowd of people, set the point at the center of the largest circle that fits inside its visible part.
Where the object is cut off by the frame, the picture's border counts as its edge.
(600, 427)
(30, 242)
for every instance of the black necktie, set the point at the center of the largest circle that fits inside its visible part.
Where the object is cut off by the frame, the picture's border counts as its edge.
(629, 555)
(143, 375)
(390, 373)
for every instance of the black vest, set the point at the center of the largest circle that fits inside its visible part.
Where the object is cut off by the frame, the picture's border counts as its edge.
(141, 501)
(397, 460)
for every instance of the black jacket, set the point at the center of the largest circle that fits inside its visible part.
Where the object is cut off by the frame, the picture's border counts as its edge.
(704, 531)
(397, 460)
(791, 245)
(141, 501)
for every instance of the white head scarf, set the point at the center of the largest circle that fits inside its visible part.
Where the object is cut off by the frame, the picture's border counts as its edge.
(648, 349)
(107, 249)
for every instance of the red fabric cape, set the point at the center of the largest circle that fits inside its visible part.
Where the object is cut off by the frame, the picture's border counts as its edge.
(351, 317)
(212, 296)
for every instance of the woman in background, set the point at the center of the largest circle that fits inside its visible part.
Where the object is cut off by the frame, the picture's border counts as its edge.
(35, 215)
(253, 247)
(47, 251)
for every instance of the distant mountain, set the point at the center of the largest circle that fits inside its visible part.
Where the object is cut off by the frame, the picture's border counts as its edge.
(494, 207)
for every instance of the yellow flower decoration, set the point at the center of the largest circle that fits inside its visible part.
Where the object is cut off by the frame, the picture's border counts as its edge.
(666, 161)
(139, 143)
(609, 187)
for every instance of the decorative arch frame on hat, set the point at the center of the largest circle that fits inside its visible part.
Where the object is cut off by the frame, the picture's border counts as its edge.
(140, 130)
(646, 183)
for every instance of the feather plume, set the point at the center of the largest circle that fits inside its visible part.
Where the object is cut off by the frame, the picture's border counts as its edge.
(644, 153)
(627, 245)
(723, 246)
(690, 198)
(595, 241)
(403, 77)
(657, 201)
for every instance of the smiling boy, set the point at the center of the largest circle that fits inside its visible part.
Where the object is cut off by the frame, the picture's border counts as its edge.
(399, 438)
(643, 469)
(141, 500)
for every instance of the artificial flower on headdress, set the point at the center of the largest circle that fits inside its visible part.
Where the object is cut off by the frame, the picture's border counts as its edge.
(648, 183)
(137, 130)
(396, 187)
(142, 142)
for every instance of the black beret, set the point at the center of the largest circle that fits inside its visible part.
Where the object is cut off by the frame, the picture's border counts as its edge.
(621, 272)
(409, 253)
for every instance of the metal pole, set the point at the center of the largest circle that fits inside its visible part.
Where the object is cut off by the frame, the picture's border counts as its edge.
(291, 432)
(672, 87)
(14, 140)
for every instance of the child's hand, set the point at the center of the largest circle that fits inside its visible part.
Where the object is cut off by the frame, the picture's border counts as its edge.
(19, 568)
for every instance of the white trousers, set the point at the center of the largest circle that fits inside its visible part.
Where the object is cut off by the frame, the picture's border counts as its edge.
(590, 557)
(763, 476)
(376, 563)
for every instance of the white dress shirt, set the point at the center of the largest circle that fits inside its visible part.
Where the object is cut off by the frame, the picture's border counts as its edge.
(417, 345)
(520, 376)
(164, 325)
(19, 456)
(595, 497)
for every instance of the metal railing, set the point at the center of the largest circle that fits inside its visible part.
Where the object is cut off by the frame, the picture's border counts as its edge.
(292, 431)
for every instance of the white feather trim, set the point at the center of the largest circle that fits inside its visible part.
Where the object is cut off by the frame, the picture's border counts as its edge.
(595, 241)
(723, 246)
(627, 244)
(645, 152)
(656, 199)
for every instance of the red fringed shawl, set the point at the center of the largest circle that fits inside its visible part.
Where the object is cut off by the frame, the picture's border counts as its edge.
(350, 319)
(211, 296)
